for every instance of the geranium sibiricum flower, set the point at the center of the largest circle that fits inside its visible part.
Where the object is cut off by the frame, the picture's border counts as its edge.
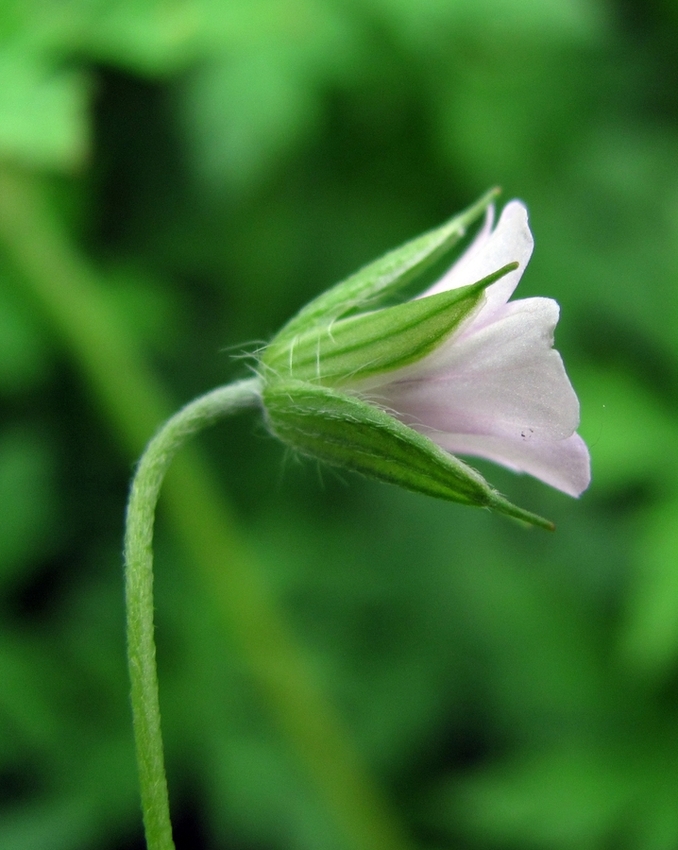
(398, 392)
(496, 388)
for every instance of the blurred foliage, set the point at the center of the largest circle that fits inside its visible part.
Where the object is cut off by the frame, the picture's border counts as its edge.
(208, 165)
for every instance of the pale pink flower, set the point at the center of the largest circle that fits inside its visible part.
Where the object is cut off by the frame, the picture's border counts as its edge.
(496, 388)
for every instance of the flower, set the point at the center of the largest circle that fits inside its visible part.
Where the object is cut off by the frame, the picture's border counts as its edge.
(397, 392)
(495, 388)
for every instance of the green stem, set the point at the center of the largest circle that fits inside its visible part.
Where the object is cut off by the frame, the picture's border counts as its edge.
(139, 594)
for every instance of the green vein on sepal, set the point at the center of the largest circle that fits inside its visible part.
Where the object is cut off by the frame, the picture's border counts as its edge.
(386, 275)
(372, 343)
(345, 431)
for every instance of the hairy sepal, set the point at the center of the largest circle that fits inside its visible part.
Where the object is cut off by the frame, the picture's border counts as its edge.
(345, 431)
(387, 275)
(371, 343)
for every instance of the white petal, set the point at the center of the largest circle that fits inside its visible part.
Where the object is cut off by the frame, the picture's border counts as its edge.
(504, 380)
(511, 241)
(496, 388)
(563, 464)
(456, 277)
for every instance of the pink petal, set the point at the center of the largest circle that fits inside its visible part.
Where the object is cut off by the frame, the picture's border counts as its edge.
(455, 276)
(511, 241)
(496, 388)
(503, 380)
(563, 464)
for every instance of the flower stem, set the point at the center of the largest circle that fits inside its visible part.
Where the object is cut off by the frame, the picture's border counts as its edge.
(139, 594)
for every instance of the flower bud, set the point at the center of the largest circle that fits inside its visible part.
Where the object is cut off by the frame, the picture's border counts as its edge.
(396, 392)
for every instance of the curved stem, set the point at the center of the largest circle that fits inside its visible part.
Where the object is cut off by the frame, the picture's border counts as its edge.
(139, 593)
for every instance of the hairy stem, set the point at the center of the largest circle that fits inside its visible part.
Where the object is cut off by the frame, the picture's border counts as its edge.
(139, 594)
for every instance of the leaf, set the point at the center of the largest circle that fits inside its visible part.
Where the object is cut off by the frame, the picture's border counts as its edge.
(649, 640)
(568, 797)
(242, 114)
(43, 111)
(153, 37)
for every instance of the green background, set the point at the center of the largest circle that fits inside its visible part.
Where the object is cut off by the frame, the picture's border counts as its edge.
(178, 177)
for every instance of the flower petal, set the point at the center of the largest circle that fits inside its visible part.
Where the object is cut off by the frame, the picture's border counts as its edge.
(511, 241)
(563, 464)
(455, 276)
(503, 380)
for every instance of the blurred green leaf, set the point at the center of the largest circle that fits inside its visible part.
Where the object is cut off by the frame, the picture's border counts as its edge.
(43, 110)
(649, 636)
(149, 36)
(431, 20)
(633, 438)
(566, 798)
(242, 114)
(246, 107)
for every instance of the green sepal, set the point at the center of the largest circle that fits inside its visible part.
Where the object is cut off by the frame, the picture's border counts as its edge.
(344, 431)
(387, 275)
(371, 343)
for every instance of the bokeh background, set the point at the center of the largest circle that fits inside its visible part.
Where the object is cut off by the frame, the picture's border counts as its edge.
(177, 177)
